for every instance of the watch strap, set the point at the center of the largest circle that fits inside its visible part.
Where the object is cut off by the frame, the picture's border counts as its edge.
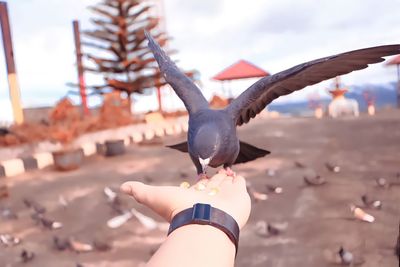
(205, 214)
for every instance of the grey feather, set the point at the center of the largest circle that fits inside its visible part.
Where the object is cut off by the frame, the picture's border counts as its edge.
(260, 94)
(212, 134)
(187, 91)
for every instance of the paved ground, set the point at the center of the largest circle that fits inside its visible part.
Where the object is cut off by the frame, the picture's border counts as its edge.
(319, 218)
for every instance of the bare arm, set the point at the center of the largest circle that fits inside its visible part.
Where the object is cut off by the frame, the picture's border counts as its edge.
(195, 245)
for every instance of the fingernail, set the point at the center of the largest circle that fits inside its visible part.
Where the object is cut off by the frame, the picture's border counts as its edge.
(125, 188)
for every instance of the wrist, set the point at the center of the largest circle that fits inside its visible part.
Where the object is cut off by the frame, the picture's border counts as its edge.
(195, 245)
(206, 240)
(205, 214)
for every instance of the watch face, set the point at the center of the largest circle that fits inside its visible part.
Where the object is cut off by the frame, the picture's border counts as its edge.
(201, 212)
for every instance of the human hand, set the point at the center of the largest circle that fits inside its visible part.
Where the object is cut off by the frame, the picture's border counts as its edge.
(224, 192)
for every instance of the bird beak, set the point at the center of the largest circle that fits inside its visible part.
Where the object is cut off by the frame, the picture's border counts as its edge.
(204, 163)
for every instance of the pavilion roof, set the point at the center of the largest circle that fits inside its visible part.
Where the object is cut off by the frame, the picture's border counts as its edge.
(394, 61)
(240, 70)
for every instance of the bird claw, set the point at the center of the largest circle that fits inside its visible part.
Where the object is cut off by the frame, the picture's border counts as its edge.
(203, 176)
(228, 171)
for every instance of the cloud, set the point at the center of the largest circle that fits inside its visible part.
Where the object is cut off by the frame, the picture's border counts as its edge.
(192, 9)
(277, 35)
(209, 35)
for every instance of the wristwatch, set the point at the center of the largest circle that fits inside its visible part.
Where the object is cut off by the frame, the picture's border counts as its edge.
(205, 214)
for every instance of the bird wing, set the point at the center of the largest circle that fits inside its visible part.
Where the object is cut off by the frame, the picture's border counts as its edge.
(252, 101)
(187, 91)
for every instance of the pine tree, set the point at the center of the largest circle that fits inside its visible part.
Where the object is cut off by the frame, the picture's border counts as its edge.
(124, 60)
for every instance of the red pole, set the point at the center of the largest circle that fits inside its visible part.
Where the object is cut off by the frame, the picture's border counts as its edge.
(11, 70)
(81, 78)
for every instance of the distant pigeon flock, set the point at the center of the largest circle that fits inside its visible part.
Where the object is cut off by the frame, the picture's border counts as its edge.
(212, 139)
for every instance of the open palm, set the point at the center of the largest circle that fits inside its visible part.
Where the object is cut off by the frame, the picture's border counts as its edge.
(224, 192)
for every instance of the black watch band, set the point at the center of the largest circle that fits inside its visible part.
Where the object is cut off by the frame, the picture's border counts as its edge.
(207, 215)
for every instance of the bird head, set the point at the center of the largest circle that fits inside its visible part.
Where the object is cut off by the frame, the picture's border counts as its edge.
(206, 145)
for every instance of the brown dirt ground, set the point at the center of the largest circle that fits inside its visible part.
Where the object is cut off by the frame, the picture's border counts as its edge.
(319, 217)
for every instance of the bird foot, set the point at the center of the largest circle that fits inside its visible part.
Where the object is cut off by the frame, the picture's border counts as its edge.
(203, 176)
(228, 171)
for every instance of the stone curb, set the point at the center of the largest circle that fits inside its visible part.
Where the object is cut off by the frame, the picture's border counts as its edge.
(13, 167)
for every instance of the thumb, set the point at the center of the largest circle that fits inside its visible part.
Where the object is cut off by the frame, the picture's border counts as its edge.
(139, 191)
(160, 199)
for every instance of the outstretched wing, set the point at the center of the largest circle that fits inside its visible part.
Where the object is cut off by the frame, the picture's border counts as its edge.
(187, 91)
(260, 94)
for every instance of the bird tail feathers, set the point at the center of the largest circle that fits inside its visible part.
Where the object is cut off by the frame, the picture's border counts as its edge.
(248, 153)
(183, 147)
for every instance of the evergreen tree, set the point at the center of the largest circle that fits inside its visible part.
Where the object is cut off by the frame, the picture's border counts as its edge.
(124, 59)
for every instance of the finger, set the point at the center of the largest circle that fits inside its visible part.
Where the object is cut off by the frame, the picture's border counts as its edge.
(147, 194)
(157, 198)
(139, 191)
(222, 171)
(239, 181)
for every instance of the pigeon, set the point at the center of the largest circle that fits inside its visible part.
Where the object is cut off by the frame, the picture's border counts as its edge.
(382, 182)
(146, 221)
(79, 247)
(387, 183)
(36, 206)
(345, 256)
(299, 164)
(255, 195)
(110, 194)
(102, 244)
(348, 258)
(271, 172)
(265, 229)
(119, 220)
(371, 203)
(8, 213)
(60, 243)
(50, 224)
(9, 240)
(313, 179)
(62, 201)
(332, 166)
(274, 189)
(45, 222)
(114, 200)
(212, 139)
(258, 196)
(27, 256)
(361, 215)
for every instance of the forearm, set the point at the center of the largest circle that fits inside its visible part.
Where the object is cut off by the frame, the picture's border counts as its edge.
(195, 245)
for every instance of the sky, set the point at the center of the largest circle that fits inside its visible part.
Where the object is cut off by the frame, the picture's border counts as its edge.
(209, 35)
